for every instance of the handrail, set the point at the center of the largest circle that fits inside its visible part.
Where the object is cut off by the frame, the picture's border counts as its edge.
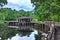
(50, 33)
(49, 37)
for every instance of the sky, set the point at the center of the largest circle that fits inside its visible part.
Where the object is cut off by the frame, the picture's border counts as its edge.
(20, 5)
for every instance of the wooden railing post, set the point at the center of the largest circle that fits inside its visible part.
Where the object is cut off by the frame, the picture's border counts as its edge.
(44, 36)
(51, 32)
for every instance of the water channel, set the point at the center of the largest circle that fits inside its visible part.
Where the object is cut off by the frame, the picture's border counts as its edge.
(23, 36)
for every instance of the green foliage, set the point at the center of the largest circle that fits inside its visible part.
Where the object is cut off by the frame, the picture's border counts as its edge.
(3, 2)
(7, 32)
(8, 14)
(2, 21)
(44, 10)
(47, 10)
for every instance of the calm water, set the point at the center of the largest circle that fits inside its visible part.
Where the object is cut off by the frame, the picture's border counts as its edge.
(23, 36)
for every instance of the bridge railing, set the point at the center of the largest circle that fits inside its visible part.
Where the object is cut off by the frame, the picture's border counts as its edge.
(50, 34)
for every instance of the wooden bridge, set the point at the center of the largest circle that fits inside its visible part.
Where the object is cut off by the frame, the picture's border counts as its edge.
(50, 30)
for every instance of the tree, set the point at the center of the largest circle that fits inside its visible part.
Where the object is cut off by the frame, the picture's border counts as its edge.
(47, 9)
(3, 2)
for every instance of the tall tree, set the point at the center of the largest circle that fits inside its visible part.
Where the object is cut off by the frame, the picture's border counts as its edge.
(47, 9)
(3, 2)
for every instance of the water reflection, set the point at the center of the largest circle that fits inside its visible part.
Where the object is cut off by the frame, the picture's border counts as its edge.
(19, 37)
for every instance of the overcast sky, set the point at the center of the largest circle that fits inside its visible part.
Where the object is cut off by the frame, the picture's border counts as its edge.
(20, 4)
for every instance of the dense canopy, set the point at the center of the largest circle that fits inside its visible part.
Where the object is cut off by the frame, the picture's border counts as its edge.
(3, 2)
(47, 10)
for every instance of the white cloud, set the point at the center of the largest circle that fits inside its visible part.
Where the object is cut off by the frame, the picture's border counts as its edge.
(20, 4)
(13, 1)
